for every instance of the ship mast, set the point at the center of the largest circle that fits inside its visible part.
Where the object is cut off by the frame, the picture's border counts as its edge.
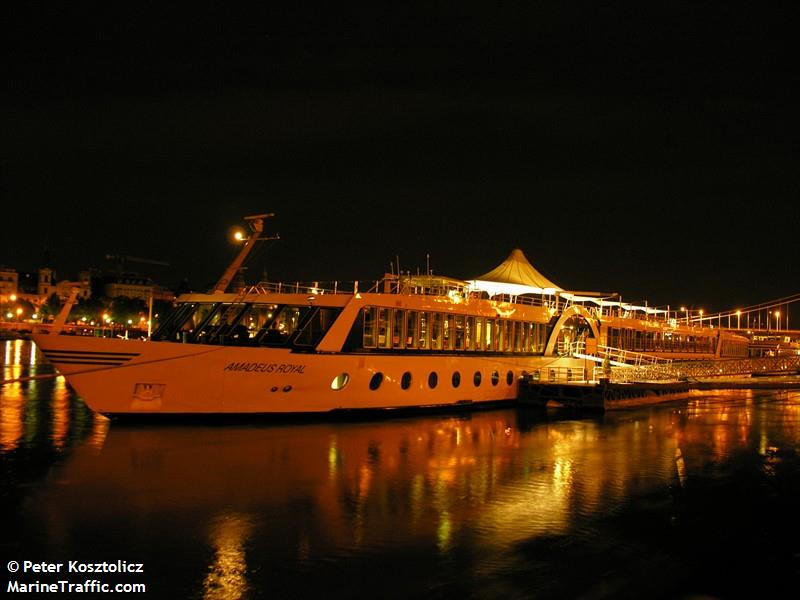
(256, 223)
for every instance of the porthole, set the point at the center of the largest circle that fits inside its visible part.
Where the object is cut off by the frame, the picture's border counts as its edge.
(510, 377)
(340, 381)
(495, 377)
(405, 380)
(476, 379)
(433, 380)
(376, 381)
(287, 388)
(456, 379)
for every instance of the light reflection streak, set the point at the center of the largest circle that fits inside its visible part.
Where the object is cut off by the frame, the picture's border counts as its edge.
(444, 528)
(60, 407)
(12, 402)
(12, 367)
(22, 418)
(680, 465)
(17, 360)
(100, 425)
(227, 574)
(333, 458)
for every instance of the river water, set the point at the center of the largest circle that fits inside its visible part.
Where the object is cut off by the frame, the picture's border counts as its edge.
(696, 499)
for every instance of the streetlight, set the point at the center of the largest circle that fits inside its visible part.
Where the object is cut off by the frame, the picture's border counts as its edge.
(701, 317)
(777, 320)
(683, 309)
(738, 318)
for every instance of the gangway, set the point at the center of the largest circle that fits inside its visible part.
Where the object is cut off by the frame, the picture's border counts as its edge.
(617, 356)
(688, 370)
(622, 366)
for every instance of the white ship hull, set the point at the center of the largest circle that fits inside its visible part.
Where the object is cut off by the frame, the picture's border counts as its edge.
(126, 377)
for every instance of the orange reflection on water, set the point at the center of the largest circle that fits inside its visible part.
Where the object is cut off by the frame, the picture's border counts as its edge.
(12, 365)
(17, 351)
(227, 575)
(61, 412)
(100, 425)
(12, 403)
(335, 490)
(12, 397)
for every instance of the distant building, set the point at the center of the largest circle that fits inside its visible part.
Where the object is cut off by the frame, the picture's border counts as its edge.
(36, 286)
(8, 282)
(131, 285)
(84, 285)
(46, 285)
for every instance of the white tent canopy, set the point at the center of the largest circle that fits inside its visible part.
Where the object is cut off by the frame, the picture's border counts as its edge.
(514, 276)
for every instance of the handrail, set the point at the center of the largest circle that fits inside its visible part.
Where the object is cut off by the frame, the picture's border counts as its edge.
(620, 356)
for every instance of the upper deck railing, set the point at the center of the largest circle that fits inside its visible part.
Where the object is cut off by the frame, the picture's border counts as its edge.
(455, 289)
(389, 286)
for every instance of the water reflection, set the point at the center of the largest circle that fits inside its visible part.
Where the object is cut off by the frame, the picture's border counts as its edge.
(35, 404)
(227, 575)
(12, 402)
(461, 503)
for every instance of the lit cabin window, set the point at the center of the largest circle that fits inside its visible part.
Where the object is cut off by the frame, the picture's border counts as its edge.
(340, 381)
(423, 330)
(508, 336)
(460, 333)
(448, 332)
(411, 329)
(489, 335)
(383, 328)
(517, 336)
(398, 320)
(436, 331)
(368, 315)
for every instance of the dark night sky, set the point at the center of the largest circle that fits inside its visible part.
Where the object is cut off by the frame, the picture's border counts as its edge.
(645, 148)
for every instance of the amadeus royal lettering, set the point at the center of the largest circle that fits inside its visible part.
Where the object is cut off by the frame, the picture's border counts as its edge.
(260, 367)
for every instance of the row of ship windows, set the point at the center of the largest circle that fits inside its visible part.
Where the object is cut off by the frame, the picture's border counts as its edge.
(340, 381)
(412, 329)
(644, 341)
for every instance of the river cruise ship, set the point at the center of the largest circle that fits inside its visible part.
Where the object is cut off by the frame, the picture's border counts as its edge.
(405, 341)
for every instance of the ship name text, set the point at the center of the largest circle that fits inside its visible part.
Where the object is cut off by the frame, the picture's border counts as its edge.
(260, 367)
